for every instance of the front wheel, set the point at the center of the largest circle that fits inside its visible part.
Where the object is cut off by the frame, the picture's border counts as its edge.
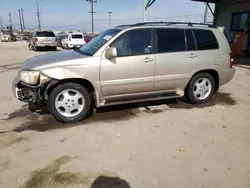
(201, 88)
(70, 103)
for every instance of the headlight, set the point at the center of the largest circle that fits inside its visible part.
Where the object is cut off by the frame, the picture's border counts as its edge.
(29, 77)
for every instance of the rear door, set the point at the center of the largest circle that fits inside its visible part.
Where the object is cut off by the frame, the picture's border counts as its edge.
(207, 49)
(175, 58)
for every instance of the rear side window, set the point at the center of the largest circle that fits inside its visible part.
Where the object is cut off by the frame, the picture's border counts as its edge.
(205, 39)
(45, 34)
(190, 40)
(77, 36)
(171, 40)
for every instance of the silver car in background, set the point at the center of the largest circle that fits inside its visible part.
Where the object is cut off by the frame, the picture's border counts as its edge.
(43, 39)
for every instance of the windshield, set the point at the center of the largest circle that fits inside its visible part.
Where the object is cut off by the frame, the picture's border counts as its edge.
(97, 42)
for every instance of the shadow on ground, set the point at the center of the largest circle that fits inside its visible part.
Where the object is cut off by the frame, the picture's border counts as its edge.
(42, 123)
(50, 176)
(243, 62)
(105, 182)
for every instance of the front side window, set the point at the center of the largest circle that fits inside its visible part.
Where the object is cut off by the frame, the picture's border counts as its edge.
(171, 40)
(205, 39)
(134, 42)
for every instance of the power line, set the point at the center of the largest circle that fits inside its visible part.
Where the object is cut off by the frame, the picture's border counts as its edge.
(38, 15)
(92, 13)
(20, 19)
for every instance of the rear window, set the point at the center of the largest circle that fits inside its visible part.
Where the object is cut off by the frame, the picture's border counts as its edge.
(171, 40)
(77, 36)
(45, 34)
(205, 39)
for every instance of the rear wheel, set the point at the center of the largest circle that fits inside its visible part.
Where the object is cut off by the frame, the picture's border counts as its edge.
(70, 103)
(30, 47)
(201, 88)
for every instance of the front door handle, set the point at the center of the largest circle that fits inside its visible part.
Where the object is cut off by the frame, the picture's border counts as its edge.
(192, 55)
(147, 59)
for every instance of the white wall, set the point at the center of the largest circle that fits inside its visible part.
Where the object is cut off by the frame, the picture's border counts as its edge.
(225, 8)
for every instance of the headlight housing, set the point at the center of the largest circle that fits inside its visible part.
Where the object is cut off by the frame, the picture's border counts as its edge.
(29, 77)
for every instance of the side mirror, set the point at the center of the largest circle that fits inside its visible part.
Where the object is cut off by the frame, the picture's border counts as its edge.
(111, 52)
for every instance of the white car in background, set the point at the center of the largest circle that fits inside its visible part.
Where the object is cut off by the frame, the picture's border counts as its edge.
(74, 40)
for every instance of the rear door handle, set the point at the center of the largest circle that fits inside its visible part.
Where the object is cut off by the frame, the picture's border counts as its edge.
(147, 59)
(192, 55)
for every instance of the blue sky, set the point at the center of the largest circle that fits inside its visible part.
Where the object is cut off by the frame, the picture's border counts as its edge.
(73, 14)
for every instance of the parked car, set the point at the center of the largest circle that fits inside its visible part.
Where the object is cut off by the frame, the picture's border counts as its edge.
(5, 38)
(143, 62)
(43, 39)
(74, 40)
(8, 38)
(59, 40)
(88, 38)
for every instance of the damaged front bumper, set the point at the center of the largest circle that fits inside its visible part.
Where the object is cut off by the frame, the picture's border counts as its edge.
(28, 93)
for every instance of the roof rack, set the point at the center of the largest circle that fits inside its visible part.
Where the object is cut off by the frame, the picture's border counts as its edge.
(172, 23)
(123, 26)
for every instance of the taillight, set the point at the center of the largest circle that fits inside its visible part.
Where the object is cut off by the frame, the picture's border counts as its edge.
(70, 38)
(36, 40)
(231, 60)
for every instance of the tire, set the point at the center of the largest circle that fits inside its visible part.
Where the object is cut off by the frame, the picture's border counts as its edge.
(201, 88)
(54, 48)
(31, 47)
(73, 97)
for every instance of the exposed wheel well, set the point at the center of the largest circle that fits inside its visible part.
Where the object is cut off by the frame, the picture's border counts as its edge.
(214, 74)
(83, 82)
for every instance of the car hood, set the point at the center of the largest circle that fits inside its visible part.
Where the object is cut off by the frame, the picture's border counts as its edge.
(51, 58)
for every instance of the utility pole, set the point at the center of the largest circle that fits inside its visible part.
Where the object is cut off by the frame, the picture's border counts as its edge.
(205, 14)
(21, 26)
(144, 10)
(110, 20)
(38, 15)
(22, 19)
(10, 19)
(92, 14)
(1, 22)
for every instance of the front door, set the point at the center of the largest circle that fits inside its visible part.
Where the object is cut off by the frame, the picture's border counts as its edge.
(132, 71)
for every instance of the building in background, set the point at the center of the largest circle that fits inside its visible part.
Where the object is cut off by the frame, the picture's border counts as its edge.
(234, 16)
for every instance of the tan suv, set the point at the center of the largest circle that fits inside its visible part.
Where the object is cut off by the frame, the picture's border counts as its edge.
(127, 64)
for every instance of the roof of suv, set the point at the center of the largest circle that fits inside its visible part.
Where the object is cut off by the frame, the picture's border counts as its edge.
(168, 24)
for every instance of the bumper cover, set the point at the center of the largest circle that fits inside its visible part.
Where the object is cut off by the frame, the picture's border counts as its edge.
(226, 75)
